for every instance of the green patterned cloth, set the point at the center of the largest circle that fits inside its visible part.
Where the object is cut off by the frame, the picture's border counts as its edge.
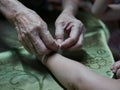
(21, 71)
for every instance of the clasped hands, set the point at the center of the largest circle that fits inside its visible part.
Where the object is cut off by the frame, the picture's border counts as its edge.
(34, 35)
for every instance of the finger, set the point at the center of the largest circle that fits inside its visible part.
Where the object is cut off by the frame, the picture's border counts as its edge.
(59, 33)
(65, 25)
(79, 44)
(48, 40)
(69, 26)
(115, 66)
(38, 44)
(73, 37)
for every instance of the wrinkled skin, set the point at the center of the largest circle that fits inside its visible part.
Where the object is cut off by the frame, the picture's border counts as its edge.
(33, 33)
(67, 24)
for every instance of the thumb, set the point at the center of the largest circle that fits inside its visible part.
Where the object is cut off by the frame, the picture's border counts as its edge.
(59, 33)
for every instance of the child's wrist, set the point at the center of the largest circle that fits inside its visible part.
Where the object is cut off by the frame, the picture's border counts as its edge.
(44, 59)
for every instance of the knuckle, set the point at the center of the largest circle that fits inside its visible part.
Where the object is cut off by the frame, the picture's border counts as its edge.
(37, 28)
(43, 26)
(32, 30)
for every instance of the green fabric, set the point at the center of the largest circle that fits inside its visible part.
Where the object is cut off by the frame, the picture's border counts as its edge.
(95, 53)
(21, 71)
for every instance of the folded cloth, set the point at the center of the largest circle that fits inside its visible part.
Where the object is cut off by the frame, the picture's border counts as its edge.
(20, 70)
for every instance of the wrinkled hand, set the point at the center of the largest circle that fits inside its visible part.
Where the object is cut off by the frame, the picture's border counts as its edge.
(68, 25)
(33, 33)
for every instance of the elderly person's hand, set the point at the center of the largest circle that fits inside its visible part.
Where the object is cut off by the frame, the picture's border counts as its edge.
(67, 24)
(33, 33)
(31, 29)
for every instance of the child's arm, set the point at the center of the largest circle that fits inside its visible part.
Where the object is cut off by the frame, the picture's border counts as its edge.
(106, 11)
(113, 12)
(75, 76)
(99, 6)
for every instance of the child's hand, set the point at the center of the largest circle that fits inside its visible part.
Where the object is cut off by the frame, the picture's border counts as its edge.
(116, 69)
